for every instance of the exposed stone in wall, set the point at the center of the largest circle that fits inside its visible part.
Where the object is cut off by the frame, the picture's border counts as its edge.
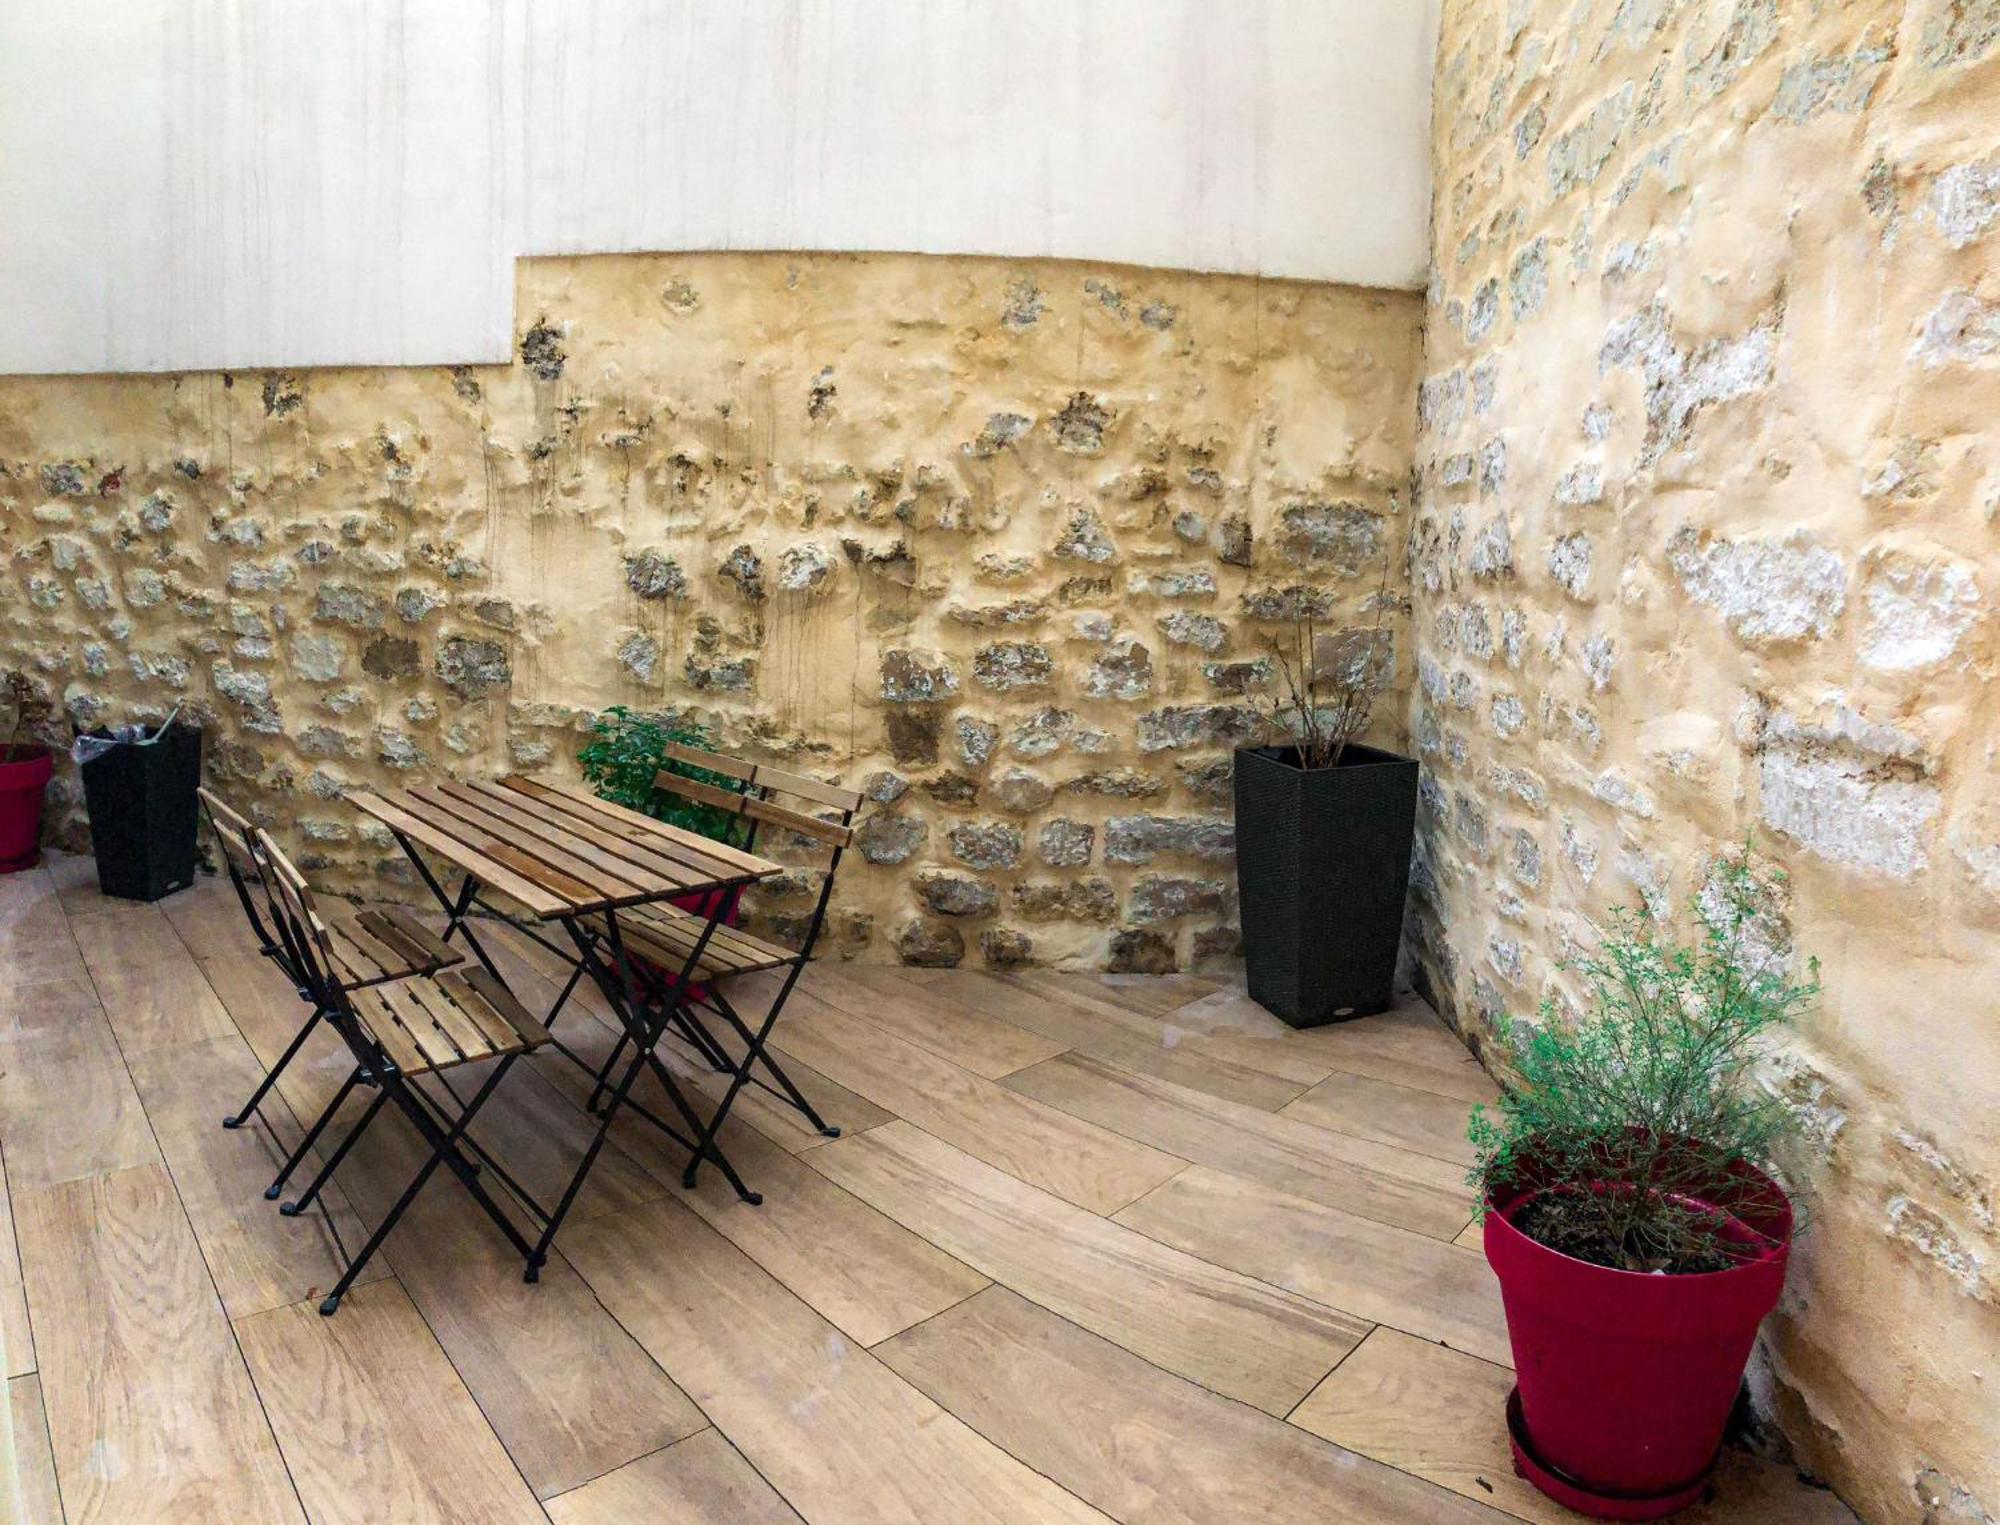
(961, 532)
(1722, 277)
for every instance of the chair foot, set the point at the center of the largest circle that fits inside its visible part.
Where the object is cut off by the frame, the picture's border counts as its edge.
(233, 1120)
(753, 1198)
(289, 1209)
(272, 1193)
(831, 1130)
(329, 1307)
(533, 1273)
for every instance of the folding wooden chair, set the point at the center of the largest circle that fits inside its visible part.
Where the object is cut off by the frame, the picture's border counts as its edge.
(380, 946)
(400, 1031)
(670, 938)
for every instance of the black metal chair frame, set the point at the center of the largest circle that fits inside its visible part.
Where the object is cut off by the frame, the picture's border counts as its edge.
(233, 831)
(447, 1134)
(671, 1001)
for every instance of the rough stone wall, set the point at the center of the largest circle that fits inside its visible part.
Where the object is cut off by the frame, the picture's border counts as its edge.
(1000, 541)
(1705, 545)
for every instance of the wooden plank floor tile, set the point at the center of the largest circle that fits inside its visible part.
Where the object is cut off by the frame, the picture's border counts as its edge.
(74, 876)
(566, 1388)
(1442, 1415)
(1375, 1180)
(1145, 992)
(931, 1018)
(35, 945)
(843, 1439)
(68, 1106)
(1235, 1336)
(34, 1463)
(1389, 1113)
(1146, 1447)
(1230, 1025)
(1138, 1041)
(153, 991)
(863, 1273)
(570, 1394)
(151, 1413)
(1377, 1272)
(777, 1119)
(17, 1339)
(702, 1480)
(1077, 1160)
(1408, 1046)
(374, 1422)
(259, 1260)
(208, 918)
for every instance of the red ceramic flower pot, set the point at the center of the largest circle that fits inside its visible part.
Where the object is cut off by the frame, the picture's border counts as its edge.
(22, 779)
(1626, 1379)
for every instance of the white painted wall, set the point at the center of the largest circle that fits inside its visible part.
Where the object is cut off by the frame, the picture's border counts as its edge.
(196, 183)
(211, 183)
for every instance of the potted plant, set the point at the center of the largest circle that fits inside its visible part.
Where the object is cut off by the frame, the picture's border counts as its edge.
(626, 752)
(1323, 833)
(1628, 1210)
(25, 767)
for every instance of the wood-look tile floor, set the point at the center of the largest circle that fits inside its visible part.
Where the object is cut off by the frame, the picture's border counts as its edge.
(1089, 1249)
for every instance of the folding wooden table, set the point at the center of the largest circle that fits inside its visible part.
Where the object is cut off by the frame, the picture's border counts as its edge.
(567, 857)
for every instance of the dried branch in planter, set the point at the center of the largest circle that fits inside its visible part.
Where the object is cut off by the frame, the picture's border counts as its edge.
(30, 707)
(1320, 706)
(1309, 708)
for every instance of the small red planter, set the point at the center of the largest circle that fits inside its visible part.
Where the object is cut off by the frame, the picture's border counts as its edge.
(21, 784)
(1626, 1379)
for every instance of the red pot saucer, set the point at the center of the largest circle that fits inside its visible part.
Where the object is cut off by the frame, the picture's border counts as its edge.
(1598, 1503)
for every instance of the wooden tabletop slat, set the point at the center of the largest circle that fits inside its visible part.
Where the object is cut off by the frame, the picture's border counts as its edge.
(630, 863)
(495, 875)
(683, 847)
(444, 817)
(545, 844)
(557, 850)
(676, 841)
(635, 847)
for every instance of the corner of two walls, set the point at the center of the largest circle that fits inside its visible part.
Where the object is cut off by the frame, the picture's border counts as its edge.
(1704, 546)
(1000, 541)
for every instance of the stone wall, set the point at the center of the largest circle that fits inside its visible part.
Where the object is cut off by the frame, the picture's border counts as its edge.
(1705, 545)
(999, 541)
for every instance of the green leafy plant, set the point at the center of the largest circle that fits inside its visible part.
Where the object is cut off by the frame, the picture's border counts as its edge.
(1631, 1123)
(625, 752)
(30, 709)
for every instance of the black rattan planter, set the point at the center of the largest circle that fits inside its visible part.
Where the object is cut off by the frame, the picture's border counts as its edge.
(142, 814)
(1322, 864)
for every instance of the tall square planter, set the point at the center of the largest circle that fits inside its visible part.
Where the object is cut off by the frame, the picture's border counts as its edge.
(143, 814)
(1322, 865)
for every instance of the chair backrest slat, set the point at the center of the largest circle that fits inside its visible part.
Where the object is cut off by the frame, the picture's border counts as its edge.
(231, 829)
(291, 888)
(755, 809)
(769, 779)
